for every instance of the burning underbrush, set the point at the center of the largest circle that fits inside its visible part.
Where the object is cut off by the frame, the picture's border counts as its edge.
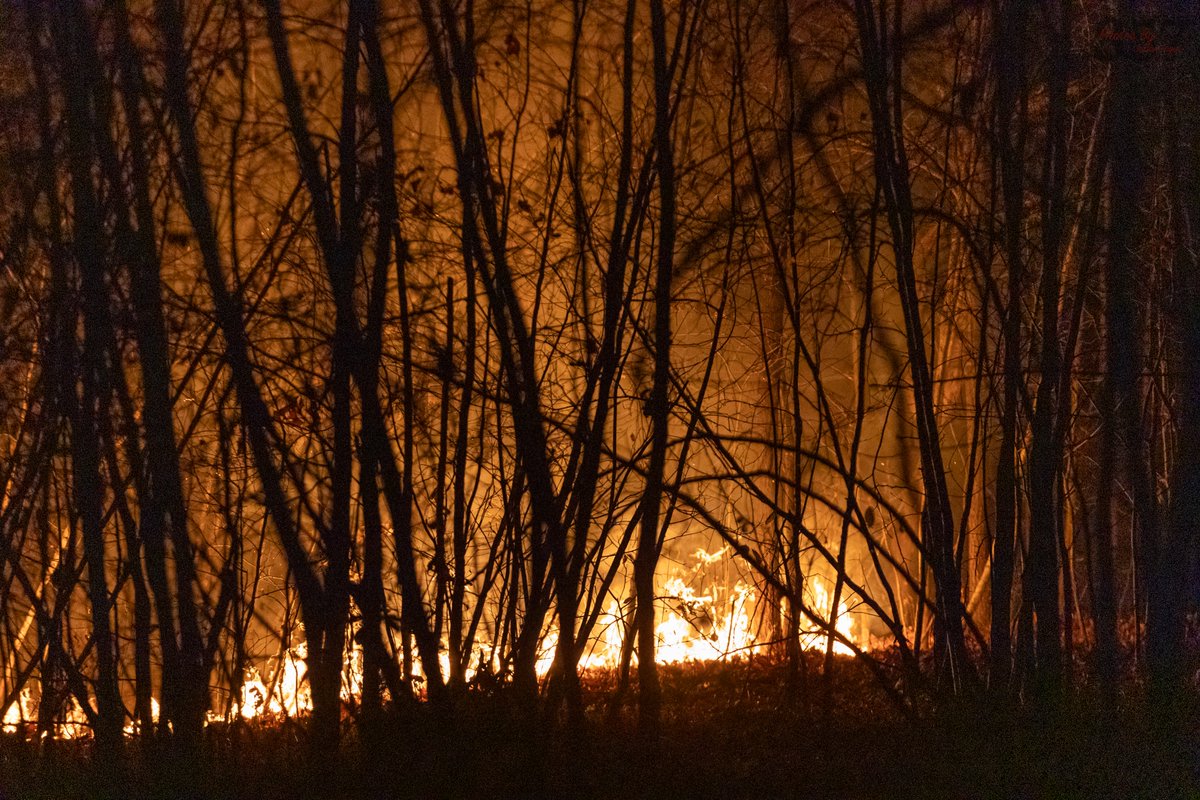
(839, 713)
(707, 614)
(750, 727)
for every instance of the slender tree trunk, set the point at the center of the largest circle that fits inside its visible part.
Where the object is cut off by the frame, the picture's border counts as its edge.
(459, 665)
(1174, 581)
(1010, 54)
(230, 316)
(97, 358)
(1123, 348)
(453, 55)
(165, 506)
(374, 429)
(884, 92)
(1045, 451)
(658, 407)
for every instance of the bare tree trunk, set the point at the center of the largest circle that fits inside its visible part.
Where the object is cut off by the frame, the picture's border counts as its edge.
(230, 314)
(165, 505)
(1045, 450)
(452, 49)
(88, 414)
(1124, 352)
(339, 243)
(1175, 580)
(459, 656)
(1011, 91)
(891, 171)
(367, 377)
(658, 405)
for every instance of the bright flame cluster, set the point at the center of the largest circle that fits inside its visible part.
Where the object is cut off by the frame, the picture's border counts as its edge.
(700, 620)
(72, 723)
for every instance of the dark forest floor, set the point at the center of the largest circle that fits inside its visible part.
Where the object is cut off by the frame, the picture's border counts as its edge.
(729, 731)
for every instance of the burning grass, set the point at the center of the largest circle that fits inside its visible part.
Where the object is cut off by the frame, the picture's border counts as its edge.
(748, 728)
